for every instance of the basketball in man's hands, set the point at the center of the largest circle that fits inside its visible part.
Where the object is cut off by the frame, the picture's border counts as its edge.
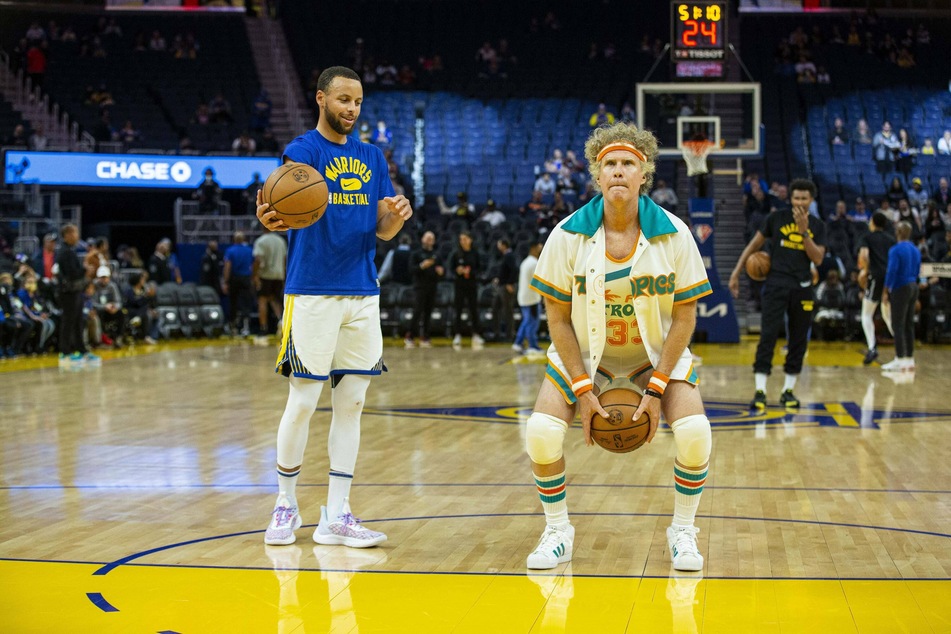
(298, 193)
(619, 432)
(757, 266)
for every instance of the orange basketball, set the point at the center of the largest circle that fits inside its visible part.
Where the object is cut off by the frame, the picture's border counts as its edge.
(619, 432)
(298, 193)
(757, 266)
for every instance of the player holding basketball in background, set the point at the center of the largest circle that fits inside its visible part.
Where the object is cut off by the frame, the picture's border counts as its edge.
(873, 259)
(621, 278)
(797, 239)
(332, 307)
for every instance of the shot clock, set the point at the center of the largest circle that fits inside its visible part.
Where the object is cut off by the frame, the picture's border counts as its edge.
(698, 39)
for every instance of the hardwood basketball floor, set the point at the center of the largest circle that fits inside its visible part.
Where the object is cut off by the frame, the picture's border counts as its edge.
(134, 498)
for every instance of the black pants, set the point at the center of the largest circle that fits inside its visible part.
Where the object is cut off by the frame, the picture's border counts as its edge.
(422, 315)
(240, 299)
(796, 305)
(903, 319)
(15, 333)
(467, 296)
(504, 308)
(72, 323)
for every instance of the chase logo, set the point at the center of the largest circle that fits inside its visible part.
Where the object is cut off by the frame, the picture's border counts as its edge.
(179, 172)
(300, 175)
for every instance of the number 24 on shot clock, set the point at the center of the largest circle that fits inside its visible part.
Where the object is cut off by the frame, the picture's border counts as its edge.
(698, 30)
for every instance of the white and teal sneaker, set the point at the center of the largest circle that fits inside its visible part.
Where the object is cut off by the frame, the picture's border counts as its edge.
(682, 541)
(553, 548)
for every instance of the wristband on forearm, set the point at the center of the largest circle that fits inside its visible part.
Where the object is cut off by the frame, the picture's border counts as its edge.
(581, 384)
(657, 385)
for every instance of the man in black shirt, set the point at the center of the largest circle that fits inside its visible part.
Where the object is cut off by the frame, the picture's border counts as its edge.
(211, 267)
(427, 271)
(797, 240)
(72, 286)
(159, 269)
(505, 285)
(466, 266)
(873, 261)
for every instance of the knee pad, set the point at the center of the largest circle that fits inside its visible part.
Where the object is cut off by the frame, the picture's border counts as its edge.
(692, 435)
(545, 438)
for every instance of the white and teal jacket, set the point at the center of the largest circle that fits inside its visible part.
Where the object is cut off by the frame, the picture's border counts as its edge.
(666, 270)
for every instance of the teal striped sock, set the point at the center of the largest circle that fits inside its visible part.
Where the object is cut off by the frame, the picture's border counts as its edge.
(552, 492)
(688, 485)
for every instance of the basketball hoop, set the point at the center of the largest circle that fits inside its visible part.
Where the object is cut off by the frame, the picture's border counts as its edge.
(695, 156)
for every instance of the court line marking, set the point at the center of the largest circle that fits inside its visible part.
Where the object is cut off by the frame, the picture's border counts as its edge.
(100, 602)
(104, 570)
(166, 487)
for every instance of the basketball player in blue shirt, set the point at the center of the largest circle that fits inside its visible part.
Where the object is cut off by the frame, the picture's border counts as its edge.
(332, 307)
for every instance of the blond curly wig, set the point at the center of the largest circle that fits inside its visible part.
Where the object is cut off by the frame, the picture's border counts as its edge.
(627, 133)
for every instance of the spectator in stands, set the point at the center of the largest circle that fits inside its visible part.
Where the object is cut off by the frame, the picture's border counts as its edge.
(838, 135)
(18, 136)
(46, 258)
(933, 225)
(895, 192)
(944, 143)
(665, 196)
(131, 259)
(565, 181)
(545, 184)
(208, 196)
(244, 145)
(236, 284)
(68, 34)
(859, 213)
(463, 209)
(862, 133)
(467, 268)
(942, 195)
(560, 208)
(35, 33)
(18, 55)
(267, 276)
(112, 28)
(261, 112)
(505, 284)
(805, 70)
(202, 115)
(406, 76)
(366, 134)
(485, 56)
(906, 152)
(103, 131)
(268, 144)
(38, 140)
(918, 197)
(396, 265)
(128, 134)
(830, 298)
(36, 63)
(492, 214)
(211, 267)
(72, 287)
(822, 76)
(840, 232)
(159, 270)
(529, 303)
(534, 207)
(906, 58)
(382, 137)
(387, 73)
(779, 198)
(627, 113)
(426, 271)
(37, 312)
(16, 326)
(107, 301)
(219, 109)
(554, 164)
(601, 116)
(157, 42)
(250, 193)
(927, 147)
(907, 214)
(140, 307)
(884, 146)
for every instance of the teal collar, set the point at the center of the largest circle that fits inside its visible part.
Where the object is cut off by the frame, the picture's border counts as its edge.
(654, 221)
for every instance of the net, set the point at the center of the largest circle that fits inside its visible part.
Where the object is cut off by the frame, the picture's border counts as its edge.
(695, 156)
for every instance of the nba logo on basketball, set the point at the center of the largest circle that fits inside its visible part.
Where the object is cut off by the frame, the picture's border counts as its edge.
(703, 232)
(301, 176)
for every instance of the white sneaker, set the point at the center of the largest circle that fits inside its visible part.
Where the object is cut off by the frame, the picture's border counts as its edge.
(907, 364)
(425, 343)
(457, 340)
(477, 341)
(345, 530)
(517, 348)
(535, 352)
(408, 343)
(682, 541)
(892, 366)
(284, 521)
(553, 548)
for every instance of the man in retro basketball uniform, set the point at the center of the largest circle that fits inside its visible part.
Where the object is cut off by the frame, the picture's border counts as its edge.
(332, 307)
(797, 239)
(621, 278)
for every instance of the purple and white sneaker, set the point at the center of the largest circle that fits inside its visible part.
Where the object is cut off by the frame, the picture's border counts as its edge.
(345, 530)
(284, 521)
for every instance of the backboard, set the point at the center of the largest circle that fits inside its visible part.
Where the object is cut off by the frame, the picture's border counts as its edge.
(728, 114)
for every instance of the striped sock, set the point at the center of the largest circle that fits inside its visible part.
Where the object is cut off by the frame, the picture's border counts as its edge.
(688, 485)
(337, 492)
(552, 492)
(287, 482)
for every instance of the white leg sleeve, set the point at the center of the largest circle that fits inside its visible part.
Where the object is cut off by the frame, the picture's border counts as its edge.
(292, 432)
(545, 438)
(868, 325)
